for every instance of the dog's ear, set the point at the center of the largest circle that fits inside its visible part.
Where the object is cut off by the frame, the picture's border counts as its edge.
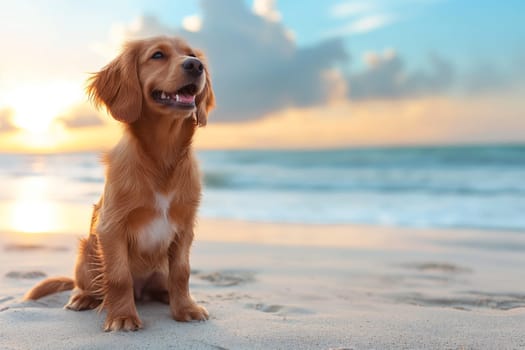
(117, 86)
(206, 99)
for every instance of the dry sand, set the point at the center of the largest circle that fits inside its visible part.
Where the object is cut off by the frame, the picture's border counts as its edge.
(270, 286)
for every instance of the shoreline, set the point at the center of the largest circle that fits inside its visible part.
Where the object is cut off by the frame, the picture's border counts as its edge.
(323, 235)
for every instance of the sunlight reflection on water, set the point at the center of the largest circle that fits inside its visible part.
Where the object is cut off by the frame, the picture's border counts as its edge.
(31, 212)
(34, 212)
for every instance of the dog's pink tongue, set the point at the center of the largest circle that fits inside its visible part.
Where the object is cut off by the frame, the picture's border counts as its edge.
(186, 98)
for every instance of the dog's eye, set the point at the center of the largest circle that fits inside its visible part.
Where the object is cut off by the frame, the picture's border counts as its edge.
(157, 55)
(192, 55)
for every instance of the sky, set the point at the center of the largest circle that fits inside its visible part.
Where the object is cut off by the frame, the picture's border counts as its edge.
(287, 74)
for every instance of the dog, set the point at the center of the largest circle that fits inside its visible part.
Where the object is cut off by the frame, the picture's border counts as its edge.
(142, 228)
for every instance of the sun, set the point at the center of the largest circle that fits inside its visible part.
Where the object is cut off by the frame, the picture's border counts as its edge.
(36, 106)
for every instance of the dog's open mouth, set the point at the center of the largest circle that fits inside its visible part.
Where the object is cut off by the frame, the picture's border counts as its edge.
(183, 97)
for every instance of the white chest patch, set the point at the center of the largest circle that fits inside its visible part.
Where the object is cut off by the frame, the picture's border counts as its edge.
(158, 233)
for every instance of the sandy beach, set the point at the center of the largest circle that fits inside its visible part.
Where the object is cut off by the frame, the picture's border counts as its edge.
(287, 286)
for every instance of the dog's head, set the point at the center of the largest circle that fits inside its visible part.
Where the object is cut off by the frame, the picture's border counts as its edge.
(162, 76)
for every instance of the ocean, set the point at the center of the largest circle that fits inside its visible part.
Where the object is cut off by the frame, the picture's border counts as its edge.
(477, 187)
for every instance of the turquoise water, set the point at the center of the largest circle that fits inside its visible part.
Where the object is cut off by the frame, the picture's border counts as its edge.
(461, 187)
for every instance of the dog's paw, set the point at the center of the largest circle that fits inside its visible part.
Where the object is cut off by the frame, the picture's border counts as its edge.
(81, 301)
(191, 312)
(122, 323)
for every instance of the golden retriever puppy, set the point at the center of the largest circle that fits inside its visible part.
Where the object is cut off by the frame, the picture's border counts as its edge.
(142, 227)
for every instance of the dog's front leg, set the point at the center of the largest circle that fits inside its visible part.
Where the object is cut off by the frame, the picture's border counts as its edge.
(118, 283)
(183, 308)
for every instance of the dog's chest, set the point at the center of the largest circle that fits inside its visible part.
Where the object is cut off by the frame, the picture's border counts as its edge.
(158, 232)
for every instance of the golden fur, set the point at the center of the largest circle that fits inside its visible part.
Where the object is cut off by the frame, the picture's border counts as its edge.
(142, 227)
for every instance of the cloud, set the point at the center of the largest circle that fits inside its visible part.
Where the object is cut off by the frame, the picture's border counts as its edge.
(81, 116)
(369, 23)
(488, 77)
(258, 69)
(354, 17)
(361, 17)
(192, 23)
(427, 120)
(346, 9)
(6, 124)
(267, 9)
(387, 77)
(256, 66)
(363, 25)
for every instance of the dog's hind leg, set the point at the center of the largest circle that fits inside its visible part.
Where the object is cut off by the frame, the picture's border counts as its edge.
(88, 277)
(82, 300)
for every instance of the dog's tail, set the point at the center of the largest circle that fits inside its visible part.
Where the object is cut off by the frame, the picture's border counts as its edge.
(50, 286)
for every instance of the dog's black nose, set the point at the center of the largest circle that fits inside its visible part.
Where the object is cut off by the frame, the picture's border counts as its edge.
(193, 66)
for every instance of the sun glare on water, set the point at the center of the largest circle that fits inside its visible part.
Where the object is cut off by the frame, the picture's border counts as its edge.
(32, 212)
(37, 209)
